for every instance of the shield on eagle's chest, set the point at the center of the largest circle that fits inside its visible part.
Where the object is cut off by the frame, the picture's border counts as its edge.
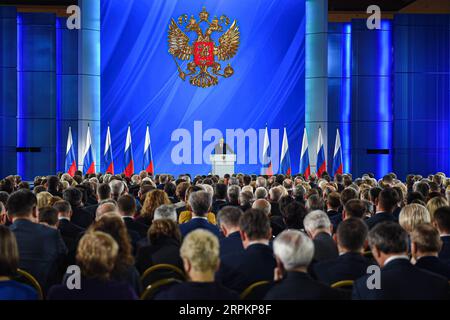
(203, 53)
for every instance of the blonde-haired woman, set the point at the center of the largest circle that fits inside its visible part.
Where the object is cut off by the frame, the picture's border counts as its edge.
(435, 203)
(412, 215)
(200, 254)
(153, 200)
(96, 257)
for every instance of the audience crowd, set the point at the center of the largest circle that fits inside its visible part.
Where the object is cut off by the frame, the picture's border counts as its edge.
(106, 237)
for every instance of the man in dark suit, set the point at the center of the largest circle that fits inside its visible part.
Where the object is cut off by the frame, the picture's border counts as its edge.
(220, 193)
(333, 204)
(398, 279)
(127, 209)
(441, 221)
(294, 252)
(319, 228)
(350, 265)
(425, 246)
(80, 216)
(103, 193)
(239, 270)
(385, 204)
(222, 148)
(41, 248)
(228, 218)
(200, 203)
(70, 232)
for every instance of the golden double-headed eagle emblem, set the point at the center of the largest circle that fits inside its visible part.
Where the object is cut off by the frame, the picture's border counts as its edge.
(204, 70)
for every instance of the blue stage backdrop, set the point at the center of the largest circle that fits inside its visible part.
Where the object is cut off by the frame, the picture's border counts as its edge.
(140, 80)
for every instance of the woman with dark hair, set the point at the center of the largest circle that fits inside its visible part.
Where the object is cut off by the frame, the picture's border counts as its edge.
(97, 256)
(124, 269)
(165, 240)
(9, 261)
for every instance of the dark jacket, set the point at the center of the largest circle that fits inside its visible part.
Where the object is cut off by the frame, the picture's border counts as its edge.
(379, 217)
(435, 265)
(324, 247)
(239, 270)
(197, 291)
(198, 223)
(400, 280)
(348, 266)
(166, 250)
(300, 286)
(41, 249)
(231, 244)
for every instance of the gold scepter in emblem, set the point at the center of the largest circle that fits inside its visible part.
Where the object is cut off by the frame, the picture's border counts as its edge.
(181, 74)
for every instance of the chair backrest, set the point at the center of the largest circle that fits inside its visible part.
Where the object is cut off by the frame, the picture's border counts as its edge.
(161, 271)
(344, 284)
(151, 291)
(26, 278)
(256, 291)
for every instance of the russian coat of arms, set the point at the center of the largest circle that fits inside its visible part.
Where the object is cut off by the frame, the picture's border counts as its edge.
(205, 69)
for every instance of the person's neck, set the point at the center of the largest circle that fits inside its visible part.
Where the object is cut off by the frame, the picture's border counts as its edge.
(201, 277)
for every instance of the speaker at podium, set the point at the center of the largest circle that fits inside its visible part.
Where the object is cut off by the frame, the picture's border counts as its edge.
(223, 159)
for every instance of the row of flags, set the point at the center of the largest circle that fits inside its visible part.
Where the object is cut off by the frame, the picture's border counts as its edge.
(305, 168)
(89, 158)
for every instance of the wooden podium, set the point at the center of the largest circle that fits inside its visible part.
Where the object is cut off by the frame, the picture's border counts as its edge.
(223, 164)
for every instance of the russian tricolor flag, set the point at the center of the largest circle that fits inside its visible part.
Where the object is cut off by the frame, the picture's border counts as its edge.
(108, 155)
(337, 156)
(148, 159)
(88, 159)
(285, 158)
(321, 163)
(71, 163)
(129, 163)
(267, 162)
(305, 168)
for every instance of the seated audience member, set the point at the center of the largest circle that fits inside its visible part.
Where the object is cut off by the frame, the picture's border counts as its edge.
(425, 246)
(153, 200)
(70, 232)
(412, 215)
(48, 216)
(385, 204)
(200, 254)
(228, 218)
(293, 215)
(256, 263)
(41, 249)
(80, 216)
(164, 238)
(200, 203)
(294, 252)
(333, 205)
(124, 269)
(220, 197)
(350, 265)
(9, 262)
(442, 223)
(398, 279)
(435, 203)
(319, 228)
(96, 256)
(354, 209)
(186, 215)
(127, 209)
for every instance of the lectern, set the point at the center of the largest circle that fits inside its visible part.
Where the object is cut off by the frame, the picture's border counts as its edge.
(223, 164)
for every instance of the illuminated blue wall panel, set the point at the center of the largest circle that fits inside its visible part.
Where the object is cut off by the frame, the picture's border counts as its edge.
(371, 102)
(422, 94)
(36, 93)
(8, 90)
(66, 88)
(339, 90)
